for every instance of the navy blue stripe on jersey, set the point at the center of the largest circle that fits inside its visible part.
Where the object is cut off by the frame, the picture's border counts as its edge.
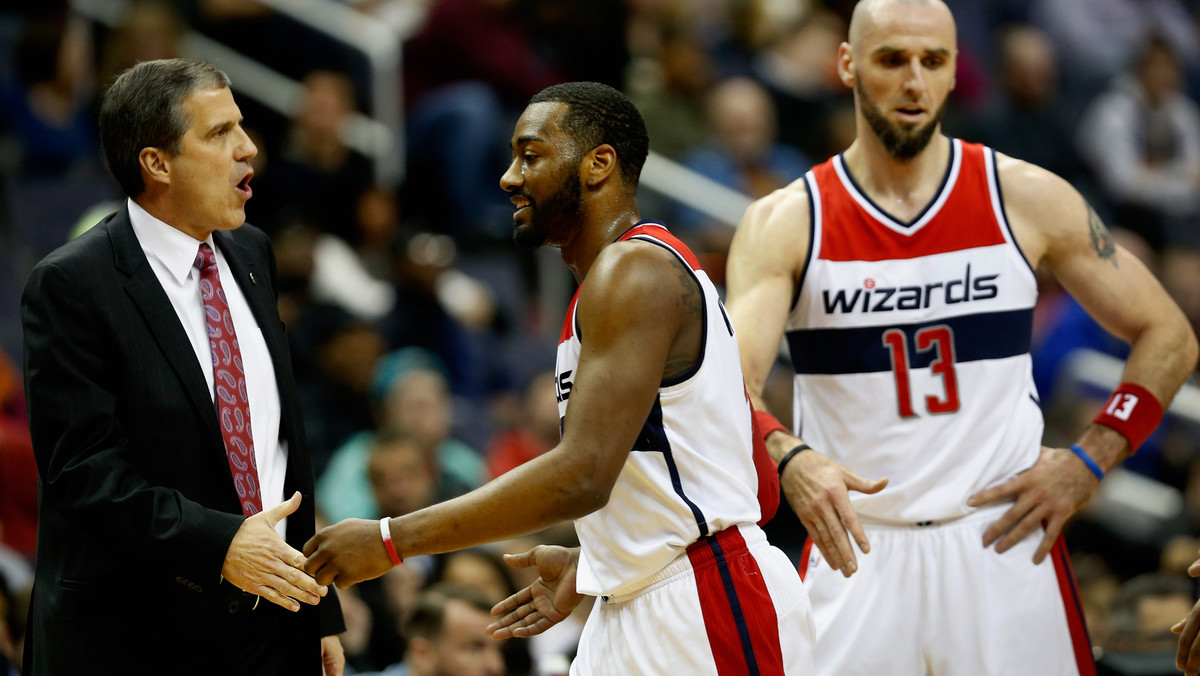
(653, 439)
(994, 183)
(735, 605)
(993, 335)
(921, 214)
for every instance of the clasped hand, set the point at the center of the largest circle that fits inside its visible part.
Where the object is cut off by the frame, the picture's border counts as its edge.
(347, 553)
(259, 562)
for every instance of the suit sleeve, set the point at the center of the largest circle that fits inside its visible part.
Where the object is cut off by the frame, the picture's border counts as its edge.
(75, 411)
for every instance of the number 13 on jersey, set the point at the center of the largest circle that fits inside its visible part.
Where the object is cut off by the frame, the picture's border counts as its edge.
(938, 338)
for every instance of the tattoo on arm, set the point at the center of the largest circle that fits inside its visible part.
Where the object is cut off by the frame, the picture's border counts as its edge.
(1102, 239)
(691, 302)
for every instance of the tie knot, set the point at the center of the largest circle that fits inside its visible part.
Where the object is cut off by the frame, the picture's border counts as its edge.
(205, 258)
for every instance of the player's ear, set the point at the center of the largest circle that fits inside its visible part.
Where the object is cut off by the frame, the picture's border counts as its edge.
(599, 165)
(845, 65)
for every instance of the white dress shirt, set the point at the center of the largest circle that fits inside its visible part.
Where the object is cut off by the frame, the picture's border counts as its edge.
(172, 253)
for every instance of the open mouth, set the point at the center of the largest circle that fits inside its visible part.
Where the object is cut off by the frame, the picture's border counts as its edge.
(243, 186)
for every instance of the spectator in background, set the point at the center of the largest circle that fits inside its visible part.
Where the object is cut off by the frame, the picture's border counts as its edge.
(1097, 39)
(150, 29)
(402, 477)
(672, 101)
(447, 313)
(1028, 119)
(47, 105)
(1142, 614)
(744, 154)
(18, 469)
(335, 392)
(1141, 138)
(799, 68)
(447, 636)
(534, 433)
(320, 175)
(412, 399)
(465, 71)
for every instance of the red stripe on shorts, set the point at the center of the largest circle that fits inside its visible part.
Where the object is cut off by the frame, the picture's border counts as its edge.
(804, 554)
(739, 615)
(1070, 596)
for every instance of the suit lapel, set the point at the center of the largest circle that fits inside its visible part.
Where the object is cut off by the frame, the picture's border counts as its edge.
(147, 293)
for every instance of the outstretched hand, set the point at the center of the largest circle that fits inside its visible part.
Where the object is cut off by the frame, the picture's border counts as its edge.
(1048, 493)
(259, 562)
(818, 489)
(1187, 656)
(546, 602)
(347, 553)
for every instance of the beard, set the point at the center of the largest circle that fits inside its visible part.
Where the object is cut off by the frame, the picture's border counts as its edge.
(559, 211)
(903, 141)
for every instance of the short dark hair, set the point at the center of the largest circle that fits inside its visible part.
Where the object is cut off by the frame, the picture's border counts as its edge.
(598, 114)
(143, 108)
(428, 619)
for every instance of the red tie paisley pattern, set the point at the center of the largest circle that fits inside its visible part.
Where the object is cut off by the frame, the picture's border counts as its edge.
(229, 380)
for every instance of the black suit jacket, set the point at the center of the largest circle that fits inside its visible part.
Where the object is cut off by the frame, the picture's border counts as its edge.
(137, 502)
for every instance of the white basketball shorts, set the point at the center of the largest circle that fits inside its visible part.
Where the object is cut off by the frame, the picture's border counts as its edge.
(732, 605)
(930, 600)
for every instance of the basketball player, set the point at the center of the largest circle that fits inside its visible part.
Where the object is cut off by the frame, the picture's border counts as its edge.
(656, 463)
(902, 274)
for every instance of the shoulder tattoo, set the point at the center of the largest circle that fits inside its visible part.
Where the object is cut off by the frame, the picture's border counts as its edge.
(1102, 240)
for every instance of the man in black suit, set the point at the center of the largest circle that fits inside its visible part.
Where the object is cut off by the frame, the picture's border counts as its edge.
(164, 414)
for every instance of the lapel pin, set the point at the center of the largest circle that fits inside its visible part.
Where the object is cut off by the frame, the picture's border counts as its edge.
(252, 279)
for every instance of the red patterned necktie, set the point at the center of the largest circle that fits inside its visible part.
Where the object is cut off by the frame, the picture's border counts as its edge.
(229, 379)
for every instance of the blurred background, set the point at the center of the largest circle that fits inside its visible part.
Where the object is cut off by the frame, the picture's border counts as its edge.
(423, 339)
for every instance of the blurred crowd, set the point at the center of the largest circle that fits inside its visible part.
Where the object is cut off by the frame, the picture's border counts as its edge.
(423, 338)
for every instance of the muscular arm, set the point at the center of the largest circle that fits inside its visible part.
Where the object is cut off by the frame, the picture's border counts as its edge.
(766, 260)
(1057, 229)
(633, 306)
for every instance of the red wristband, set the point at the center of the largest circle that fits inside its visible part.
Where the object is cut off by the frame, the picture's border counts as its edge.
(767, 424)
(385, 530)
(1133, 411)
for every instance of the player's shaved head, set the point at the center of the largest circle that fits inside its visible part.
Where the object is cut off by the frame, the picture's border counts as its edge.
(870, 15)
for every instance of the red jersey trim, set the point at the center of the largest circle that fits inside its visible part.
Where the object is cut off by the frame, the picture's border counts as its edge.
(659, 231)
(960, 216)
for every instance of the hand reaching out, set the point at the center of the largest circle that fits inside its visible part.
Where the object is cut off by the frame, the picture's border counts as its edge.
(1187, 656)
(347, 553)
(259, 562)
(546, 602)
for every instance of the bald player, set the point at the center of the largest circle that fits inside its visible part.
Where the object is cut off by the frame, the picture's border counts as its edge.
(901, 272)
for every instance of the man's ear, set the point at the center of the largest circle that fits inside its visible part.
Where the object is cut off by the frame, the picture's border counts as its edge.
(845, 65)
(599, 165)
(156, 166)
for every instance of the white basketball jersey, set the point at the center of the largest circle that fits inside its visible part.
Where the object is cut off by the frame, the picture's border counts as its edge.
(910, 341)
(690, 472)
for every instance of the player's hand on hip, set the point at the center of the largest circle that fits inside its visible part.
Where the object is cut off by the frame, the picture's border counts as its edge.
(817, 487)
(347, 553)
(1046, 494)
(259, 562)
(546, 602)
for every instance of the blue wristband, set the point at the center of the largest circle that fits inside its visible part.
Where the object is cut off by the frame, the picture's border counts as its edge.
(1087, 460)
